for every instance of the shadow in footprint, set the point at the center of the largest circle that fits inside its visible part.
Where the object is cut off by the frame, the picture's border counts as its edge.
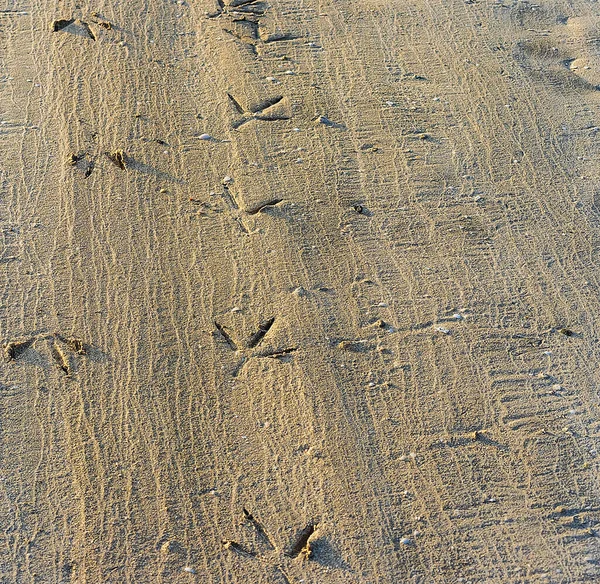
(325, 121)
(144, 168)
(491, 442)
(325, 554)
(96, 355)
(33, 357)
(75, 27)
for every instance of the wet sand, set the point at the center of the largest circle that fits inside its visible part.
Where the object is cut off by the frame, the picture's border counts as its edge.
(299, 291)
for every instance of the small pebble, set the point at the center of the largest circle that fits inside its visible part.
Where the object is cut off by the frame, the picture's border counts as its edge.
(324, 120)
(227, 180)
(457, 316)
(441, 329)
(189, 570)
(205, 137)
(405, 541)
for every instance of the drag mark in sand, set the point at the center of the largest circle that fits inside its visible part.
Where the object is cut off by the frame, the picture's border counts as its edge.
(278, 354)
(301, 546)
(258, 336)
(226, 336)
(61, 358)
(236, 104)
(263, 206)
(258, 527)
(87, 29)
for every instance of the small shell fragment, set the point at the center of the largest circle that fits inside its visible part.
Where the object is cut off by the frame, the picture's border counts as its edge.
(206, 137)
(324, 120)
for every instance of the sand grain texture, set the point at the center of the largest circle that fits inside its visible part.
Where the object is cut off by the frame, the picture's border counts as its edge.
(325, 343)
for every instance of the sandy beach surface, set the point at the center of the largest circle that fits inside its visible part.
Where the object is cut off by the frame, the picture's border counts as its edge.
(299, 291)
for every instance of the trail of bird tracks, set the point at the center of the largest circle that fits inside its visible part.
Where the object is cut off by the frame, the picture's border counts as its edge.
(299, 292)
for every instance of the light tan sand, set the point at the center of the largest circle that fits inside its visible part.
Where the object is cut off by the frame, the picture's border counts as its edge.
(361, 321)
